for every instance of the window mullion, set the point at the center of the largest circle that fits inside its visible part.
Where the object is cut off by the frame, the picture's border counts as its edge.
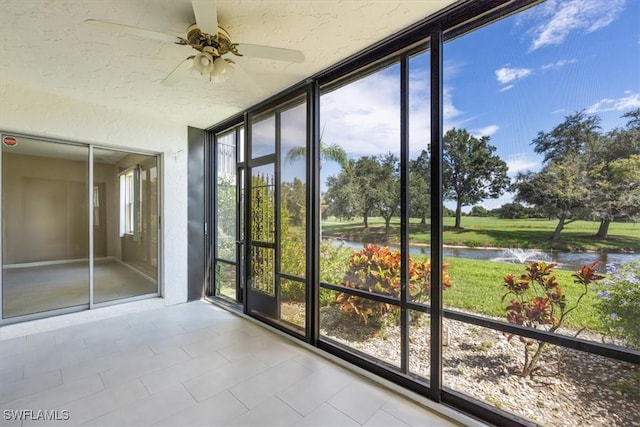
(404, 213)
(436, 213)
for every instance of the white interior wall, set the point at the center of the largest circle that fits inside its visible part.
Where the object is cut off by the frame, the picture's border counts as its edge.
(42, 114)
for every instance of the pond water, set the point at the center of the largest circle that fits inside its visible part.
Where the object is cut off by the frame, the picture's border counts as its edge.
(565, 260)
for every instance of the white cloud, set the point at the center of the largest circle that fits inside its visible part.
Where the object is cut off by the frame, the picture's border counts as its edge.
(508, 75)
(452, 68)
(557, 65)
(449, 111)
(293, 127)
(364, 116)
(521, 162)
(624, 103)
(561, 18)
(485, 131)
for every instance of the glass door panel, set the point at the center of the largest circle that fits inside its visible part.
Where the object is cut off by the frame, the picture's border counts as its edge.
(125, 225)
(262, 227)
(226, 216)
(45, 245)
(262, 137)
(240, 253)
(292, 230)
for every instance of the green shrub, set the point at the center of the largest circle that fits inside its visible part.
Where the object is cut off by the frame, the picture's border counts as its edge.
(539, 302)
(376, 269)
(293, 262)
(334, 264)
(618, 303)
(334, 261)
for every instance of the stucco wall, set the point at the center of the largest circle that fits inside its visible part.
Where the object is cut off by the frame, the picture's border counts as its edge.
(46, 115)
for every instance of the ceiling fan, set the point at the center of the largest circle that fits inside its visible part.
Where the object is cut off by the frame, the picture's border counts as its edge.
(210, 41)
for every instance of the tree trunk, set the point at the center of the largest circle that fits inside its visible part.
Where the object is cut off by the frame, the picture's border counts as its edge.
(365, 217)
(458, 214)
(603, 231)
(387, 224)
(530, 365)
(423, 220)
(559, 227)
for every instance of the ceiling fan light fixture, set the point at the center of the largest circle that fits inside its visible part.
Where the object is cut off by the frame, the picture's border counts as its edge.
(203, 63)
(222, 70)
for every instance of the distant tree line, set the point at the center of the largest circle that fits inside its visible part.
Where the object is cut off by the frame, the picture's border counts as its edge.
(370, 185)
(586, 174)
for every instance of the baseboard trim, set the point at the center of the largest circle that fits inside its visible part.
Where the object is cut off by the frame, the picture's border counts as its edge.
(53, 262)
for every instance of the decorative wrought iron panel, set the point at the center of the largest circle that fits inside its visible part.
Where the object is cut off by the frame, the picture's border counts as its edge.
(262, 270)
(263, 225)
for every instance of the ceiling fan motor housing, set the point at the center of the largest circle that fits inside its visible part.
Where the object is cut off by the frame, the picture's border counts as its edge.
(221, 42)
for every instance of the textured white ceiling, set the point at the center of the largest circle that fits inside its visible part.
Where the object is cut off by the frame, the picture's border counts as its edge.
(45, 45)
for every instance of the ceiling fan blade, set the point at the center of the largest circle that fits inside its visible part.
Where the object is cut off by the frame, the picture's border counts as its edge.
(206, 15)
(245, 80)
(140, 32)
(178, 73)
(268, 52)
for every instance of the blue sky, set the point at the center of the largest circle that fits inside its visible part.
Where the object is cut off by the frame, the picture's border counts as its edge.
(509, 80)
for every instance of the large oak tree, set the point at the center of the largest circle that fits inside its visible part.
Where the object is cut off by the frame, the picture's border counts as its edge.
(471, 171)
(369, 186)
(614, 175)
(585, 174)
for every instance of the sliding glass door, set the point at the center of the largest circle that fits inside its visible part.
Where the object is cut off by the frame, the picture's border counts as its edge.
(125, 225)
(45, 244)
(79, 226)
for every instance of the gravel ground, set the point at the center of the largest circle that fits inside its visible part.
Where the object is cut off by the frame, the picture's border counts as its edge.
(581, 390)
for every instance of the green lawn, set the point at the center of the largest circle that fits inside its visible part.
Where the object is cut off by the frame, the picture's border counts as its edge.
(478, 286)
(495, 232)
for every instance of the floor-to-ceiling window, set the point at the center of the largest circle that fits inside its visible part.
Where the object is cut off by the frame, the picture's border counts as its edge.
(477, 194)
(540, 137)
(75, 232)
(360, 184)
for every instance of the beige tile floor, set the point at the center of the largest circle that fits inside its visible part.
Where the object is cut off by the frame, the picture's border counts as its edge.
(190, 364)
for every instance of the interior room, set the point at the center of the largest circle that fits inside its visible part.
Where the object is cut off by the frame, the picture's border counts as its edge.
(46, 240)
(226, 212)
